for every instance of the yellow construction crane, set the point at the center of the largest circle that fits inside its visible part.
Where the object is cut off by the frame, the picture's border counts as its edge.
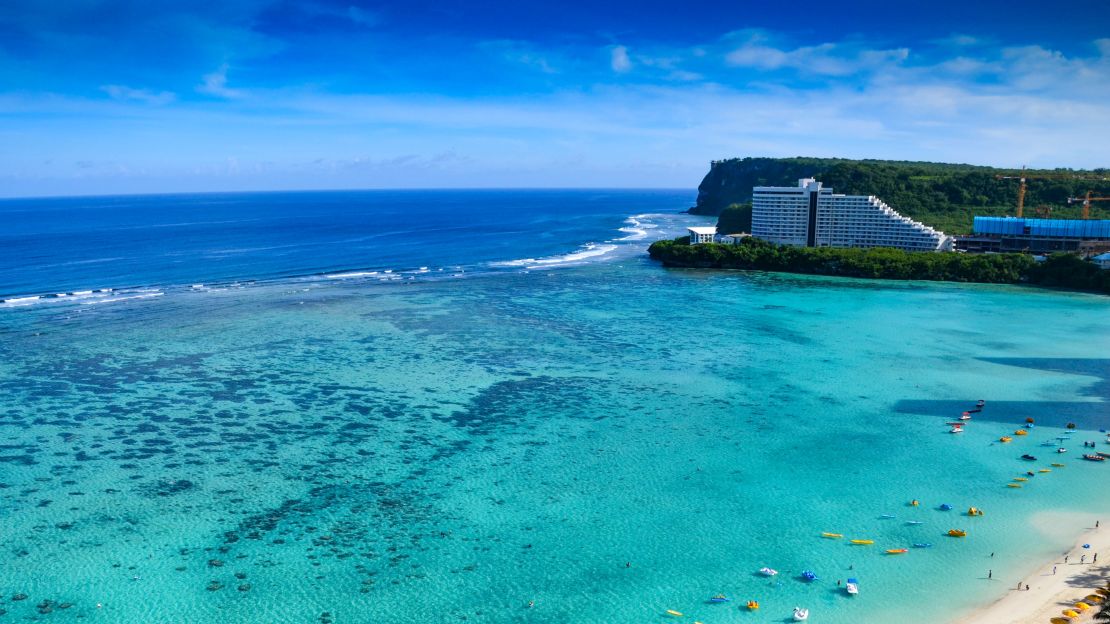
(1041, 176)
(1087, 203)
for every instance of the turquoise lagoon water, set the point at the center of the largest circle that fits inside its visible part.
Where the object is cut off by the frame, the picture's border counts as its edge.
(610, 440)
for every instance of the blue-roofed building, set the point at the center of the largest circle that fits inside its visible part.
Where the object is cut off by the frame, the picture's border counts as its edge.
(1082, 236)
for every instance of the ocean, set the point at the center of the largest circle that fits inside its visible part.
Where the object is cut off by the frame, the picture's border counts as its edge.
(444, 406)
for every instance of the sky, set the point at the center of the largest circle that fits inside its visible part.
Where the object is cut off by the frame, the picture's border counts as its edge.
(105, 97)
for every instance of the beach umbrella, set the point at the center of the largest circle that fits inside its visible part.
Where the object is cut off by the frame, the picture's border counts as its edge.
(1086, 545)
(1071, 613)
(1082, 606)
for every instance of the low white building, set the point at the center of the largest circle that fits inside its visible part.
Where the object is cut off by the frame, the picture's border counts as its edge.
(812, 216)
(699, 235)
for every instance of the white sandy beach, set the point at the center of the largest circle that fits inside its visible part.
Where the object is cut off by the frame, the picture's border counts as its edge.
(1050, 594)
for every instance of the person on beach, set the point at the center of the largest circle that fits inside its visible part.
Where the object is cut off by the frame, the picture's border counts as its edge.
(1065, 559)
(1053, 570)
(1095, 560)
(990, 573)
(1026, 588)
(1083, 559)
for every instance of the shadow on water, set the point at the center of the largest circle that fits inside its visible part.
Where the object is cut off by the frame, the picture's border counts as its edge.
(1085, 414)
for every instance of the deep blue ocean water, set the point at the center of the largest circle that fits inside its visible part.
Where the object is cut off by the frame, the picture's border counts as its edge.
(258, 423)
(51, 246)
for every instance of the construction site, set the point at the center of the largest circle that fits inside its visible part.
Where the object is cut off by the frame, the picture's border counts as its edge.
(1042, 234)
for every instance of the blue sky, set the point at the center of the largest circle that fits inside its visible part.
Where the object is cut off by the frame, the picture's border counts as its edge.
(128, 97)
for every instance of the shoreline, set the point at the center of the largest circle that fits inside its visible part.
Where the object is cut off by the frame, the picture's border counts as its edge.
(1050, 594)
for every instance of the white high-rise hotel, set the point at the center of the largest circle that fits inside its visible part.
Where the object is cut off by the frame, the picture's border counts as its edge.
(816, 217)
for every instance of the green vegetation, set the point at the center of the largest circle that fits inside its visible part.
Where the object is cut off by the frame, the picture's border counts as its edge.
(944, 196)
(735, 219)
(1062, 270)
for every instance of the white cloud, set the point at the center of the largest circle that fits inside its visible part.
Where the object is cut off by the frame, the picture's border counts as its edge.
(827, 59)
(618, 59)
(125, 93)
(215, 84)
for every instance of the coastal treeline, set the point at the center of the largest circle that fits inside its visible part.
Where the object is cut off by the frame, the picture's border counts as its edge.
(1062, 270)
(944, 196)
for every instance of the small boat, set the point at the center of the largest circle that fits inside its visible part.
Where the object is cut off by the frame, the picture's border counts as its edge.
(1061, 450)
(800, 614)
(957, 533)
(809, 575)
(897, 551)
(946, 507)
(753, 604)
(719, 598)
(768, 572)
(1028, 457)
(923, 545)
(965, 416)
(863, 542)
(1058, 465)
(1097, 458)
(886, 517)
(975, 410)
(1013, 485)
(1021, 432)
(980, 403)
(832, 535)
(956, 429)
(1100, 453)
(852, 588)
(913, 522)
(1005, 439)
(673, 613)
(974, 511)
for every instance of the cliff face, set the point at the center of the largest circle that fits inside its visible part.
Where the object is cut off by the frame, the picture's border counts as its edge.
(731, 181)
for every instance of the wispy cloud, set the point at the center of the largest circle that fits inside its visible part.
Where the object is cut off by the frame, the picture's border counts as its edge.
(828, 59)
(619, 60)
(125, 93)
(215, 84)
(519, 52)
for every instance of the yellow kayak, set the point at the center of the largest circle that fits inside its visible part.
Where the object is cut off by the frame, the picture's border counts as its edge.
(1020, 479)
(674, 613)
(832, 535)
(1005, 439)
(1045, 470)
(1013, 485)
(957, 533)
(863, 542)
(896, 551)
(1021, 432)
